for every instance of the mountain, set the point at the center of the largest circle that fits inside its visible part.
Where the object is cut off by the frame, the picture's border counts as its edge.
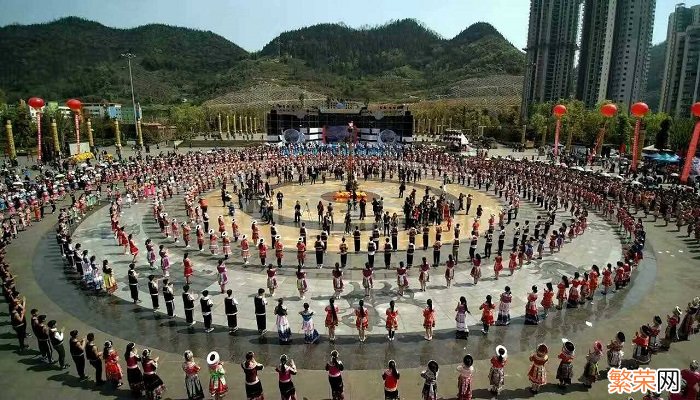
(657, 58)
(72, 57)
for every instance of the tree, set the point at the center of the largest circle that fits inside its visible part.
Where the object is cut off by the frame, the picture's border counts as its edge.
(539, 124)
(679, 133)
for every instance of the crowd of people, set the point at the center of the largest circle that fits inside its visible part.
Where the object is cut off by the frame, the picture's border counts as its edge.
(249, 172)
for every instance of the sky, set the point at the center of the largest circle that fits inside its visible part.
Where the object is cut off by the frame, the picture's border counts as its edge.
(253, 23)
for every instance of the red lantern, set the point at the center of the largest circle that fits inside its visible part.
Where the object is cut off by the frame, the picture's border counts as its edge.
(695, 109)
(36, 102)
(608, 110)
(74, 104)
(639, 109)
(559, 110)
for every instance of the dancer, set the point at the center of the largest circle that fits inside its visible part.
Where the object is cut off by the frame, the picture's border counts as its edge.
(361, 320)
(253, 386)
(367, 279)
(301, 251)
(497, 375)
(565, 372)
(245, 249)
(206, 305)
(476, 269)
(424, 276)
(504, 308)
(547, 299)
(641, 352)
(401, 278)
(113, 371)
(231, 310)
(462, 310)
(607, 279)
(391, 381)
(154, 386)
(271, 279)
(392, 320)
(285, 369)
(133, 373)
(331, 318)
(335, 376)
(193, 385)
(188, 268)
(262, 252)
(213, 242)
(283, 329)
(307, 325)
(338, 284)
(532, 317)
(486, 308)
(449, 270)
(226, 242)
(574, 296)
(538, 372)
(498, 265)
(615, 352)
(133, 250)
(259, 303)
(591, 370)
(150, 254)
(672, 322)
(302, 285)
(217, 376)
(430, 375)
(464, 381)
(685, 329)
(222, 275)
(561, 292)
(429, 320)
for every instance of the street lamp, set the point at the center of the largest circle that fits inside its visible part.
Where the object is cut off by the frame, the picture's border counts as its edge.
(129, 56)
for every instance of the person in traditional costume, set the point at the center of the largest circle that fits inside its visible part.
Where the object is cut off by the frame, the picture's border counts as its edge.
(574, 294)
(449, 270)
(279, 251)
(285, 369)
(222, 275)
(231, 310)
(565, 372)
(615, 352)
(607, 279)
(213, 242)
(302, 285)
(429, 320)
(691, 314)
(245, 249)
(154, 386)
(338, 284)
(401, 278)
(253, 386)
(164, 261)
(487, 314)
(424, 276)
(113, 371)
(430, 375)
(335, 376)
(672, 322)
(361, 320)
(331, 320)
(283, 329)
(532, 317)
(464, 380)
(307, 325)
(150, 253)
(193, 385)
(641, 352)
(133, 250)
(226, 242)
(262, 251)
(187, 268)
(367, 279)
(654, 342)
(561, 291)
(392, 320)
(217, 376)
(498, 265)
(461, 318)
(593, 275)
(133, 373)
(497, 374)
(301, 251)
(271, 279)
(504, 307)
(590, 371)
(538, 372)
(391, 376)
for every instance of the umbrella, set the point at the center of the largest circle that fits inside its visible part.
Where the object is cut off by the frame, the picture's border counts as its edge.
(59, 176)
(18, 184)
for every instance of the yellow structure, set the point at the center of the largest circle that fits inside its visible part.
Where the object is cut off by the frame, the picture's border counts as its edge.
(117, 134)
(91, 140)
(10, 141)
(54, 133)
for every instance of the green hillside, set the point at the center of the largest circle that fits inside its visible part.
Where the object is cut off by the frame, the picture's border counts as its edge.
(72, 57)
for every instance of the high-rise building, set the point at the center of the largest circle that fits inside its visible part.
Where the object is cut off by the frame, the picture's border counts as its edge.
(679, 87)
(614, 58)
(550, 52)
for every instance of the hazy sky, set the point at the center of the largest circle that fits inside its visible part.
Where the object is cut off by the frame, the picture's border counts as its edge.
(253, 23)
